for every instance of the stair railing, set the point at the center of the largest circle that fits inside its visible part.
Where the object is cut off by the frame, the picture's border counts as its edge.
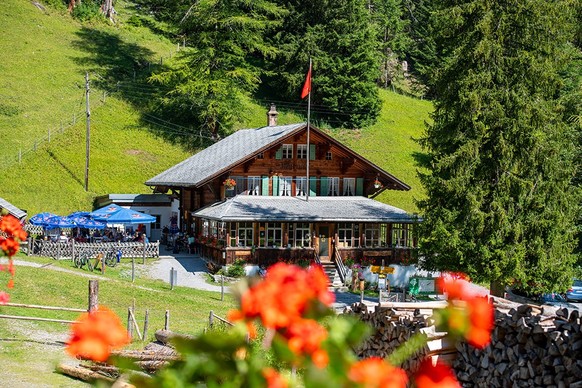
(316, 257)
(341, 267)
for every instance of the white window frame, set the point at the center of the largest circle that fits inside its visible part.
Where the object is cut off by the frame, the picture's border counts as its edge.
(300, 186)
(287, 151)
(285, 186)
(402, 236)
(254, 185)
(300, 235)
(333, 187)
(349, 186)
(301, 151)
(273, 234)
(345, 231)
(243, 229)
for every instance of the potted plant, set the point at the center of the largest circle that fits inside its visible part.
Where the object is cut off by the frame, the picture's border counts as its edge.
(377, 184)
(229, 183)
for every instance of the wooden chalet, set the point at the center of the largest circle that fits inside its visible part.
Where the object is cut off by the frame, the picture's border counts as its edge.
(274, 212)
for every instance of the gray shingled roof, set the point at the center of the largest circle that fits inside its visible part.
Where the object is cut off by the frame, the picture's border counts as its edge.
(222, 155)
(326, 209)
(16, 212)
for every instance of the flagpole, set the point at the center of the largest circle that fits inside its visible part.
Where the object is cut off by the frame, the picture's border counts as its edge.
(307, 180)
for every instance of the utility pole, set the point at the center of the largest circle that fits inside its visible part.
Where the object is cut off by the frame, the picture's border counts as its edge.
(87, 137)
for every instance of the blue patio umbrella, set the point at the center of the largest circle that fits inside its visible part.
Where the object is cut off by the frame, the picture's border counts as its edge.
(128, 216)
(59, 222)
(105, 212)
(40, 219)
(88, 223)
(76, 215)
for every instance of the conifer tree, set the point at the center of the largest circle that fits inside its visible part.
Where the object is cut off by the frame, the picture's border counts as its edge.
(500, 204)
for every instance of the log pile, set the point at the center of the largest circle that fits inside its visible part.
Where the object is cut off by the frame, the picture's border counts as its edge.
(528, 348)
(394, 326)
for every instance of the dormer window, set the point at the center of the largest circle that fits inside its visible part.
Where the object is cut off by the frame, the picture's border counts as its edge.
(261, 155)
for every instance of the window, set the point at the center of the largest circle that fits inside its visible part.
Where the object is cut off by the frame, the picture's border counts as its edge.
(254, 185)
(240, 184)
(274, 234)
(245, 234)
(300, 185)
(300, 235)
(287, 151)
(205, 227)
(332, 186)
(261, 155)
(345, 234)
(328, 155)
(285, 186)
(349, 186)
(402, 235)
(221, 232)
(375, 235)
(301, 151)
(158, 223)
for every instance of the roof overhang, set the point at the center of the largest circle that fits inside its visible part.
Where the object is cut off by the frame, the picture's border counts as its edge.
(250, 208)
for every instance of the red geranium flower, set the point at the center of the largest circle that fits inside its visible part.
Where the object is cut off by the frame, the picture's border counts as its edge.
(376, 372)
(435, 376)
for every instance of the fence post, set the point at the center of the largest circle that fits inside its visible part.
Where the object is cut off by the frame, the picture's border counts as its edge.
(146, 323)
(30, 246)
(129, 324)
(167, 320)
(93, 295)
(144, 249)
(73, 250)
(211, 318)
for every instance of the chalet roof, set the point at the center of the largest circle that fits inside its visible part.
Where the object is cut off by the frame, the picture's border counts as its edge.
(222, 155)
(10, 208)
(133, 199)
(285, 209)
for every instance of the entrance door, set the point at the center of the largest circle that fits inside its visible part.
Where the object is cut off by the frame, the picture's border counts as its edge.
(323, 234)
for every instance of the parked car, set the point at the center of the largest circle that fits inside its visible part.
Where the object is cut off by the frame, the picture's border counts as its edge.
(574, 294)
(555, 300)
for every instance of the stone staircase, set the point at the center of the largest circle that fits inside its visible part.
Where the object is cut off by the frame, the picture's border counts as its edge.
(335, 281)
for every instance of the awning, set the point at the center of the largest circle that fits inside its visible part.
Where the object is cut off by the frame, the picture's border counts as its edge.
(297, 209)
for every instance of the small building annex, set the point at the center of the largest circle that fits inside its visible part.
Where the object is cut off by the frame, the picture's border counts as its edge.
(249, 196)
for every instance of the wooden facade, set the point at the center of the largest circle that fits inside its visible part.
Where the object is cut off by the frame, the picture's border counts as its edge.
(279, 169)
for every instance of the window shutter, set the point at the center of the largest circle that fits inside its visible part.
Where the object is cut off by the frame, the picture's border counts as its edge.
(323, 186)
(360, 186)
(265, 185)
(312, 152)
(275, 185)
(279, 153)
(312, 186)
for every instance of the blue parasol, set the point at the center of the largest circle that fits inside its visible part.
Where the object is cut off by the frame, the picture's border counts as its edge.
(128, 216)
(59, 222)
(40, 219)
(105, 212)
(87, 223)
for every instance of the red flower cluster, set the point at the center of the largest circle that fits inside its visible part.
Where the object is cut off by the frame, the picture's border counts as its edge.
(376, 372)
(284, 296)
(95, 334)
(435, 376)
(468, 314)
(13, 230)
(304, 337)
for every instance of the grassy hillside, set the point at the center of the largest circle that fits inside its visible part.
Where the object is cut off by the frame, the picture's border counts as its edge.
(42, 91)
(391, 144)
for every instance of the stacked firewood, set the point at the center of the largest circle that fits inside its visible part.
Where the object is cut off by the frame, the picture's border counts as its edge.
(527, 349)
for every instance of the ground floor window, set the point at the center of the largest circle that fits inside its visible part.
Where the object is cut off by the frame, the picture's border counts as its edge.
(245, 234)
(300, 235)
(375, 235)
(345, 234)
(402, 235)
(274, 234)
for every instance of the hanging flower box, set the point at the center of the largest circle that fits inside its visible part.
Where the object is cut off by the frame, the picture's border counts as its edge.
(229, 183)
(377, 184)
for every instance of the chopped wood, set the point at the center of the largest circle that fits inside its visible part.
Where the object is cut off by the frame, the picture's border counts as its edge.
(82, 373)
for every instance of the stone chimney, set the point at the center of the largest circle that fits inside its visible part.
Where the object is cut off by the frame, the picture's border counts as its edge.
(272, 115)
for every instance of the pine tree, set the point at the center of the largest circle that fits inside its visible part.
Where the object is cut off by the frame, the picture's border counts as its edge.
(342, 42)
(211, 81)
(500, 205)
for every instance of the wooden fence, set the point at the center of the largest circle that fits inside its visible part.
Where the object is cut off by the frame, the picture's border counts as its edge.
(72, 249)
